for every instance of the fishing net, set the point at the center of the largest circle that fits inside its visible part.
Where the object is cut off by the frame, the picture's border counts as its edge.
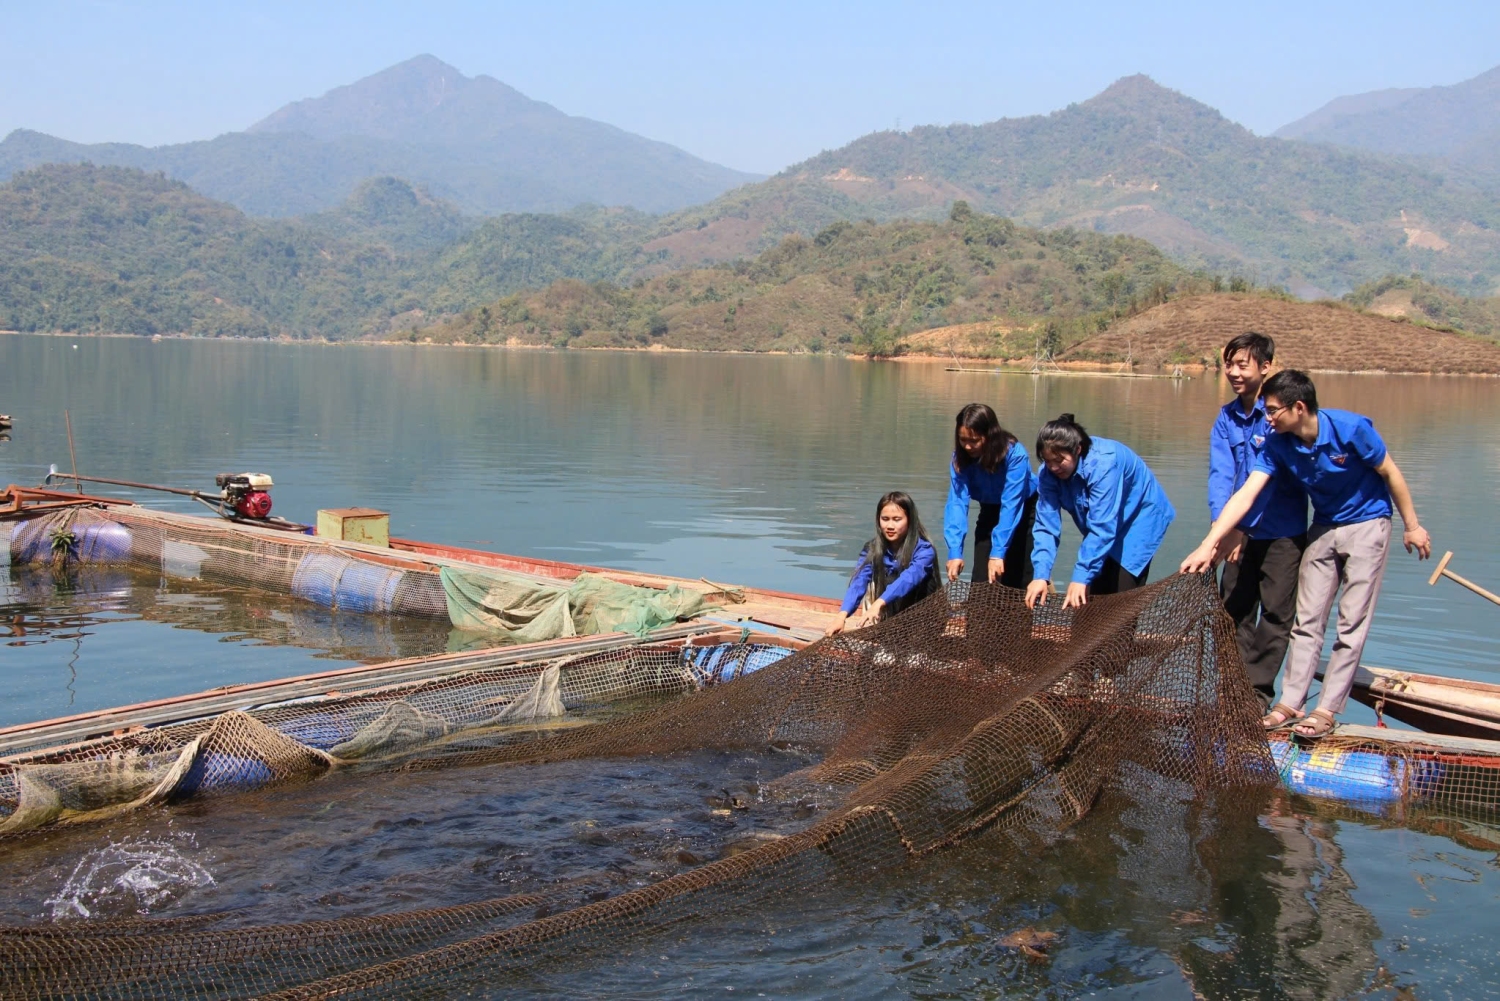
(467, 703)
(503, 605)
(966, 716)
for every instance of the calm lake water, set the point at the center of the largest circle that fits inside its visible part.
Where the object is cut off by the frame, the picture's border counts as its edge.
(759, 470)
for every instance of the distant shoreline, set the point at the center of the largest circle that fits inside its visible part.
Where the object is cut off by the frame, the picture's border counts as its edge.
(970, 364)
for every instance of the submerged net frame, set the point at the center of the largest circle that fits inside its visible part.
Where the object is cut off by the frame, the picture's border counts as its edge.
(184, 748)
(965, 715)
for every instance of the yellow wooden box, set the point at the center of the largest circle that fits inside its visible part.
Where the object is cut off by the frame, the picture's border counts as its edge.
(355, 524)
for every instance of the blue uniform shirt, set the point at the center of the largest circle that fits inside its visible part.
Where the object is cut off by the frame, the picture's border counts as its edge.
(1116, 503)
(900, 584)
(1337, 469)
(1235, 442)
(1011, 485)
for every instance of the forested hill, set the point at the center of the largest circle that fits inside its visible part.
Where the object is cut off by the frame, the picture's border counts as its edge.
(853, 288)
(474, 142)
(112, 250)
(117, 251)
(1143, 160)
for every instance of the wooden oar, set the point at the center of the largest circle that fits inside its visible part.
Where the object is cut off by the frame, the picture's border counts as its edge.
(1443, 571)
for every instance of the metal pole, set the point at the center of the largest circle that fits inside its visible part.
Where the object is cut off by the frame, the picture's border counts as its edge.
(130, 483)
(68, 419)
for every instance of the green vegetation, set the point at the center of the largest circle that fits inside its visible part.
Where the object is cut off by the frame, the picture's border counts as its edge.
(856, 288)
(1413, 298)
(1143, 160)
(113, 250)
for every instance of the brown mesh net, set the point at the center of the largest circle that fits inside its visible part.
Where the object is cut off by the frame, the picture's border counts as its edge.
(455, 704)
(966, 715)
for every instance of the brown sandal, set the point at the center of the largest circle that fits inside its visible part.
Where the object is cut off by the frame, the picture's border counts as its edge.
(1280, 715)
(1319, 723)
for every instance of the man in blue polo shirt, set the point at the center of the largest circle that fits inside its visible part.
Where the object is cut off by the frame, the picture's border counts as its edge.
(1259, 586)
(1340, 459)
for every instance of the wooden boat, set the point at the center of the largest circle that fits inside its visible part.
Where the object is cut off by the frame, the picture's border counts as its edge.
(1431, 702)
(1451, 706)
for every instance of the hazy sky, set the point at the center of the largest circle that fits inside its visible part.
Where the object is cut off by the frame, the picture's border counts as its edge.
(755, 85)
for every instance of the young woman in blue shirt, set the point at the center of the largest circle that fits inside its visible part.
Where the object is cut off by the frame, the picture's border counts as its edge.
(897, 568)
(1116, 503)
(989, 466)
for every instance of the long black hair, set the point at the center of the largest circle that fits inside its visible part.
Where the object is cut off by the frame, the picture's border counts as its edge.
(1064, 434)
(877, 549)
(980, 419)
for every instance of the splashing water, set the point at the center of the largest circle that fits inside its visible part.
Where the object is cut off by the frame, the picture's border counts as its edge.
(137, 876)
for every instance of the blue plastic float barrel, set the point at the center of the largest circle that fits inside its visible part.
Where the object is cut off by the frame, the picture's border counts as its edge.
(366, 587)
(93, 542)
(317, 577)
(103, 542)
(1354, 776)
(215, 771)
(320, 730)
(346, 584)
(727, 661)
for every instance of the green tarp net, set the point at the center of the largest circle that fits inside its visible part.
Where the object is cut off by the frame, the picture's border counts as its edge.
(527, 610)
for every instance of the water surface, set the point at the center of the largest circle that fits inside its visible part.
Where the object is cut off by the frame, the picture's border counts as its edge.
(759, 470)
(751, 469)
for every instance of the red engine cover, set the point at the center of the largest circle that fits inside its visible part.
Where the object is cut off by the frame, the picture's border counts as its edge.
(255, 504)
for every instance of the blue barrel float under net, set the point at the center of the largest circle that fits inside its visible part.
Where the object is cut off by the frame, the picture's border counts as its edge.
(85, 542)
(1354, 775)
(724, 662)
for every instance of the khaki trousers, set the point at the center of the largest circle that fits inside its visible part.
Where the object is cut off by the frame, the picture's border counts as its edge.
(1351, 555)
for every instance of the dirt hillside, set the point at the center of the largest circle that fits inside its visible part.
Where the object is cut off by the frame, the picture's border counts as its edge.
(1314, 336)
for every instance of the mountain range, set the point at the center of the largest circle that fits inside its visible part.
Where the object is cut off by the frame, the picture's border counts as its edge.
(475, 142)
(103, 247)
(1459, 124)
(1146, 161)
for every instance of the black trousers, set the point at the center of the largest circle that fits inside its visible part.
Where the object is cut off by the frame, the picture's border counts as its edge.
(1017, 554)
(1113, 578)
(1263, 581)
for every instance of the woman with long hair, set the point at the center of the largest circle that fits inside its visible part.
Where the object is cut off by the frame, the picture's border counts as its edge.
(1116, 503)
(897, 568)
(989, 466)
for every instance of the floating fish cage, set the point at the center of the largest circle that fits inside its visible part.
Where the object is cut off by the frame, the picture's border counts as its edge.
(966, 717)
(349, 577)
(1387, 771)
(100, 765)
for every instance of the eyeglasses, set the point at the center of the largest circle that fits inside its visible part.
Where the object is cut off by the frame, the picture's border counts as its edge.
(1271, 412)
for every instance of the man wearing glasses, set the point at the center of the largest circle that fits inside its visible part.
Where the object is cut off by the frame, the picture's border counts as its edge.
(1340, 459)
(1259, 586)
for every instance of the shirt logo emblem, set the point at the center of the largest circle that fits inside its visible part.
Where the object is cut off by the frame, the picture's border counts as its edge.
(1339, 458)
(1259, 439)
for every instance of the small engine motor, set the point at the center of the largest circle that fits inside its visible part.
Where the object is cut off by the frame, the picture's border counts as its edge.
(245, 494)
